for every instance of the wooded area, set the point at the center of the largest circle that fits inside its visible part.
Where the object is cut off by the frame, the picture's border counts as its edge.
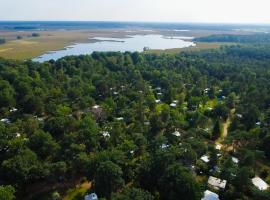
(137, 126)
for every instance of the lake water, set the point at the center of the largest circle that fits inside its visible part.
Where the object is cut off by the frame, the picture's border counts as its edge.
(132, 43)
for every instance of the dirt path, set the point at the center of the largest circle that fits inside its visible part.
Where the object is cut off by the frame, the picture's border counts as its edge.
(226, 126)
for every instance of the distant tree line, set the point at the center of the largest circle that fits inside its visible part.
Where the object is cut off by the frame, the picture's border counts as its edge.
(252, 38)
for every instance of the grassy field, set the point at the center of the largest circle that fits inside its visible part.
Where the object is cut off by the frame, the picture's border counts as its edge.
(29, 47)
(199, 46)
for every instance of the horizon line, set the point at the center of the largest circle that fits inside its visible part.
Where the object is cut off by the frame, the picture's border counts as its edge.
(131, 21)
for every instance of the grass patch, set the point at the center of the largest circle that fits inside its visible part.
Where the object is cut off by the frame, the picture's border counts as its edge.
(199, 46)
(78, 192)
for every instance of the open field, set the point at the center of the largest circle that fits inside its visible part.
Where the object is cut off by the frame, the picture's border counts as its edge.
(29, 47)
(199, 46)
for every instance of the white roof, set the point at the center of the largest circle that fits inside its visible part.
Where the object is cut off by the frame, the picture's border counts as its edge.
(5, 120)
(259, 183)
(158, 101)
(235, 160)
(217, 183)
(164, 146)
(13, 110)
(258, 123)
(176, 133)
(105, 134)
(208, 195)
(173, 104)
(96, 106)
(239, 115)
(120, 119)
(18, 134)
(205, 158)
(218, 146)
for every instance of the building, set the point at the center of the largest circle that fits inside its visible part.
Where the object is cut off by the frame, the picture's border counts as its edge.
(217, 183)
(218, 147)
(208, 195)
(205, 158)
(259, 183)
(176, 133)
(173, 105)
(13, 110)
(235, 160)
(92, 196)
(5, 120)
(105, 134)
(158, 101)
(164, 146)
(120, 119)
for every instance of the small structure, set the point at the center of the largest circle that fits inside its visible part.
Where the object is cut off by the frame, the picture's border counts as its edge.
(119, 118)
(208, 195)
(206, 90)
(205, 158)
(13, 110)
(105, 134)
(173, 105)
(17, 135)
(217, 183)
(176, 133)
(259, 183)
(164, 146)
(96, 107)
(239, 115)
(5, 120)
(218, 147)
(235, 160)
(258, 123)
(92, 196)
(159, 93)
(158, 101)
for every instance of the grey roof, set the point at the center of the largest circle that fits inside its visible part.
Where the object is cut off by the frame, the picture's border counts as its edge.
(92, 196)
(208, 195)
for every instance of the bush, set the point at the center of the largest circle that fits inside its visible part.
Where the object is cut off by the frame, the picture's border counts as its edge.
(2, 41)
(35, 34)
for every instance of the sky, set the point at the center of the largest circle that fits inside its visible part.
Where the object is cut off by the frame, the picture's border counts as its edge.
(212, 11)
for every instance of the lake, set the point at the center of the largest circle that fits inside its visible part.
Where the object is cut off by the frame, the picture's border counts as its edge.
(131, 43)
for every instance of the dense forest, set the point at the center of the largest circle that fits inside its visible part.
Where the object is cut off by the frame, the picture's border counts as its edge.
(137, 126)
(261, 38)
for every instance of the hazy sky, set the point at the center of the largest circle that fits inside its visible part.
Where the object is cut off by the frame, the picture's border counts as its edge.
(237, 11)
